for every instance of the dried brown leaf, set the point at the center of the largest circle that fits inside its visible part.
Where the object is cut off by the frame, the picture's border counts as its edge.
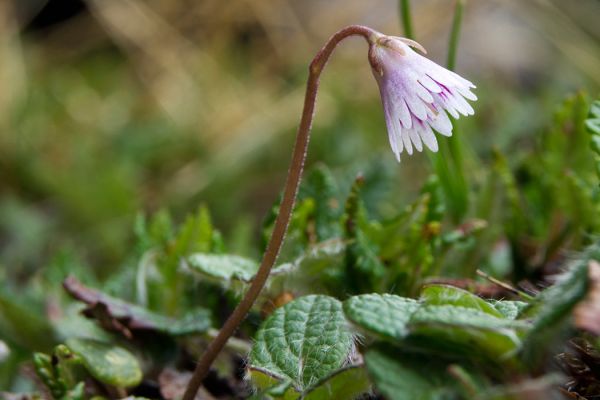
(116, 315)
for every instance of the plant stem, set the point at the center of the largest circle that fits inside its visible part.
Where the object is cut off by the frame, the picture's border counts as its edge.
(455, 144)
(455, 34)
(448, 163)
(285, 210)
(406, 18)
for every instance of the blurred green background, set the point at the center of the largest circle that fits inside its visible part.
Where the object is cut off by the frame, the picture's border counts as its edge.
(108, 108)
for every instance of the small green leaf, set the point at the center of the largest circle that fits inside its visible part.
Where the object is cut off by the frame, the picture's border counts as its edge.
(463, 232)
(319, 257)
(153, 232)
(466, 331)
(196, 234)
(510, 309)
(321, 186)
(595, 108)
(268, 383)
(406, 245)
(405, 231)
(304, 341)
(347, 384)
(107, 363)
(281, 389)
(363, 266)
(77, 393)
(450, 295)
(299, 232)
(595, 138)
(224, 267)
(552, 307)
(59, 373)
(383, 314)
(194, 321)
(49, 374)
(364, 269)
(403, 376)
(593, 126)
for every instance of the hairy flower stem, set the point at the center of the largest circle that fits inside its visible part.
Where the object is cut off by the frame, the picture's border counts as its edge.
(285, 210)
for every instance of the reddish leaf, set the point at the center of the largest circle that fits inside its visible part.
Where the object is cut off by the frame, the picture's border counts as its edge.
(119, 316)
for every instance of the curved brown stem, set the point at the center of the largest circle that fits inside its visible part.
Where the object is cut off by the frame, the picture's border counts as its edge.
(285, 210)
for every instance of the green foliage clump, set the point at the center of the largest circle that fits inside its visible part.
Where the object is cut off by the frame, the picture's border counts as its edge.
(465, 289)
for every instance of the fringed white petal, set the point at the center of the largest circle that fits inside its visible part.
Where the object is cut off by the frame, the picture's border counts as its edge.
(406, 141)
(466, 93)
(415, 138)
(430, 84)
(393, 127)
(449, 106)
(417, 107)
(399, 106)
(442, 124)
(464, 107)
(404, 114)
(418, 95)
(429, 138)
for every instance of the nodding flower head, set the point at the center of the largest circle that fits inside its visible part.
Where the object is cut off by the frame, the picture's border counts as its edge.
(416, 93)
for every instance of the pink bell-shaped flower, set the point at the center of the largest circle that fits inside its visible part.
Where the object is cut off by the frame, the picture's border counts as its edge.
(416, 93)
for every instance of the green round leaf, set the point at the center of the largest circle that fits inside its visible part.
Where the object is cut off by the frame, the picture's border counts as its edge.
(107, 363)
(466, 331)
(347, 383)
(303, 342)
(450, 295)
(510, 309)
(386, 315)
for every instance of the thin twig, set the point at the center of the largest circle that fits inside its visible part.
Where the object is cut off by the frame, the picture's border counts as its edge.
(505, 285)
